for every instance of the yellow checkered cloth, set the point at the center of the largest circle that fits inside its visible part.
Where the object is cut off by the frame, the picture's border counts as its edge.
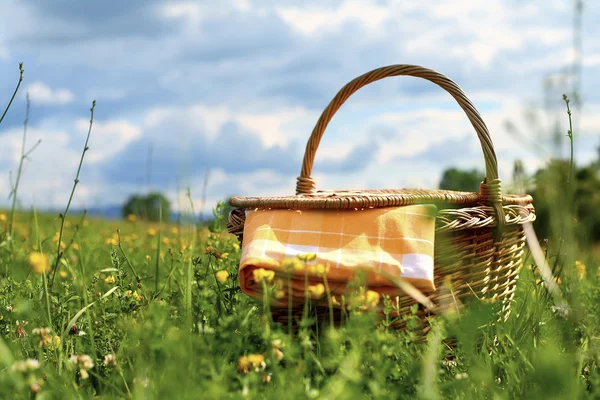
(397, 240)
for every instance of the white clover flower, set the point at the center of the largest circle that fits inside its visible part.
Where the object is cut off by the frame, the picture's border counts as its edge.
(84, 362)
(110, 360)
(26, 365)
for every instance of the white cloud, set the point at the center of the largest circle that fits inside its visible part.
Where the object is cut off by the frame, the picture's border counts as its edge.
(107, 137)
(272, 127)
(311, 20)
(41, 93)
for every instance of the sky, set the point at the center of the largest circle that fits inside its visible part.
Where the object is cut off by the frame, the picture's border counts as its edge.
(235, 88)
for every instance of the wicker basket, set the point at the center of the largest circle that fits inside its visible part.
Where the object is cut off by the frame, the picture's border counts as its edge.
(479, 239)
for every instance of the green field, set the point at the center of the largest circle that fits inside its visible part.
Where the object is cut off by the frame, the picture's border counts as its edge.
(140, 310)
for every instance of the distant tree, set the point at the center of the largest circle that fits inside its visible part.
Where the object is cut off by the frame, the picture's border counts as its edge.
(463, 181)
(147, 207)
(550, 199)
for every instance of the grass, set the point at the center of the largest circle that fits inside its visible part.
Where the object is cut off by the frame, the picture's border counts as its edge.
(191, 336)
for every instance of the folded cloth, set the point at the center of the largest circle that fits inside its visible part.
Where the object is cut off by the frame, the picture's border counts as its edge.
(395, 241)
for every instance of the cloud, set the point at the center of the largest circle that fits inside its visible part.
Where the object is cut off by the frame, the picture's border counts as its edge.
(238, 88)
(312, 20)
(42, 94)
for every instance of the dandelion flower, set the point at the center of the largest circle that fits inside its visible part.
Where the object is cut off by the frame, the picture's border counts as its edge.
(581, 269)
(261, 274)
(308, 257)
(152, 232)
(53, 343)
(257, 361)
(319, 269)
(222, 276)
(292, 264)
(243, 364)
(63, 274)
(131, 218)
(316, 290)
(2, 218)
(372, 298)
(39, 262)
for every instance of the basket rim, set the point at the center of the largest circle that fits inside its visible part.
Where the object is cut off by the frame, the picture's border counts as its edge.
(374, 198)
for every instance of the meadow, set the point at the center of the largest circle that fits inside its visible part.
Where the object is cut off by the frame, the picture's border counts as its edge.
(93, 308)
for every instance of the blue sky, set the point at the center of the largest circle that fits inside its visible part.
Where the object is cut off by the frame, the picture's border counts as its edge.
(237, 86)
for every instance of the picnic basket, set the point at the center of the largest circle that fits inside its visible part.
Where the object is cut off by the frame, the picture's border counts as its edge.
(479, 236)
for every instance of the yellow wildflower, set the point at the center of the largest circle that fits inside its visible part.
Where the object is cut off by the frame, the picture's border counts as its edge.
(136, 296)
(174, 230)
(75, 246)
(111, 241)
(39, 262)
(308, 257)
(86, 222)
(131, 218)
(319, 269)
(109, 279)
(236, 246)
(222, 276)
(2, 217)
(63, 274)
(581, 269)
(166, 241)
(292, 263)
(335, 301)
(257, 361)
(243, 364)
(53, 343)
(152, 232)
(372, 298)
(316, 290)
(261, 273)
(127, 293)
(223, 256)
(280, 294)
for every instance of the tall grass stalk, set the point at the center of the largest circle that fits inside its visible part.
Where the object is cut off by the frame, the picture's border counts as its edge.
(63, 216)
(21, 70)
(44, 275)
(86, 301)
(24, 155)
(570, 136)
(156, 271)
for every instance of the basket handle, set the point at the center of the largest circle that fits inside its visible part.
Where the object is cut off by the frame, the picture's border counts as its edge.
(490, 188)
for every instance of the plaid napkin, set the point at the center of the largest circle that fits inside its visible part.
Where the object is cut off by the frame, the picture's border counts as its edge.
(398, 241)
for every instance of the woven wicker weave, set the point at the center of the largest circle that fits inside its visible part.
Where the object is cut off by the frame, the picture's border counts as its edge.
(479, 241)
